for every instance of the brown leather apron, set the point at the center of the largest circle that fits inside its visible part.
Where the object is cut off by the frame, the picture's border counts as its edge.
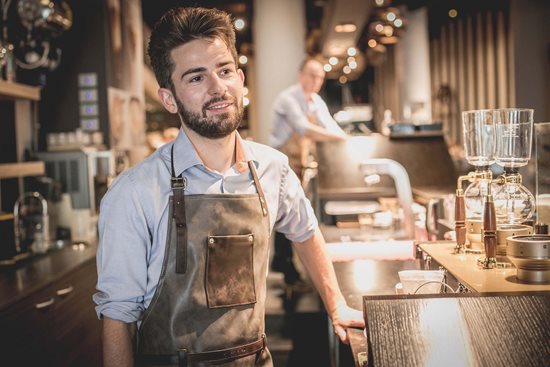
(209, 304)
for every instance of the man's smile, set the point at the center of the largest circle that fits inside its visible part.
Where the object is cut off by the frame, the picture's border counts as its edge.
(219, 106)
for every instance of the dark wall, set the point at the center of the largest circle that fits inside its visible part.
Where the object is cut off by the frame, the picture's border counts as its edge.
(532, 55)
(85, 50)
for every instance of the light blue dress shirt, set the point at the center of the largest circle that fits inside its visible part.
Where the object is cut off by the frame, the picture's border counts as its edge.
(290, 114)
(133, 218)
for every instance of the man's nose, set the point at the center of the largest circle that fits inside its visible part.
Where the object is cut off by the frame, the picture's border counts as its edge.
(217, 86)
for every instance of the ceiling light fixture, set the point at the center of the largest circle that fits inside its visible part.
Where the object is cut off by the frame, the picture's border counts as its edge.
(345, 28)
(240, 24)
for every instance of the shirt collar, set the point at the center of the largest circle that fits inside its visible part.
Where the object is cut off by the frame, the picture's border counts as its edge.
(185, 155)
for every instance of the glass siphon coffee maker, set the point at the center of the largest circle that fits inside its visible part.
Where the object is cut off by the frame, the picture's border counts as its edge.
(490, 210)
(514, 203)
(513, 138)
(479, 148)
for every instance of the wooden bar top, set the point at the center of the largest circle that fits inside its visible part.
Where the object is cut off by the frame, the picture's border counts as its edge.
(458, 330)
(465, 269)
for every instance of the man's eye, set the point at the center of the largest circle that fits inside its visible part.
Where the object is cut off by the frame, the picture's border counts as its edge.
(195, 79)
(226, 72)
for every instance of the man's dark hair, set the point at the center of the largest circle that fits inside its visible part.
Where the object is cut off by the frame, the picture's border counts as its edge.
(180, 26)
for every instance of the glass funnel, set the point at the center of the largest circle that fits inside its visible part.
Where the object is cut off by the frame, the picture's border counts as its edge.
(479, 137)
(513, 136)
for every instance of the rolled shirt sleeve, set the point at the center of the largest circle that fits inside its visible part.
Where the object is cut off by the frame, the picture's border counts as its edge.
(294, 115)
(295, 218)
(288, 117)
(122, 254)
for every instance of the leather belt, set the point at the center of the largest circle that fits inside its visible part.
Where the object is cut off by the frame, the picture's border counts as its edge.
(185, 358)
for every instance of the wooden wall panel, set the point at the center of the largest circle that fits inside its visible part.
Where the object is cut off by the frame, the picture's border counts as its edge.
(470, 59)
(481, 80)
(470, 71)
(501, 61)
(490, 63)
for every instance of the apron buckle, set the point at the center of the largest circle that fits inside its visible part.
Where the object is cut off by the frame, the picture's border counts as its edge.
(179, 182)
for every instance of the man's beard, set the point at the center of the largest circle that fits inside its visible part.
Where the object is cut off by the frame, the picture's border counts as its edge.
(214, 127)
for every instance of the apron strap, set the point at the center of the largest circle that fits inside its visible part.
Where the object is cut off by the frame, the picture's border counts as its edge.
(263, 203)
(179, 185)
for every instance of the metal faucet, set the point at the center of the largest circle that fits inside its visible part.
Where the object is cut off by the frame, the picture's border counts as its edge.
(45, 233)
(397, 172)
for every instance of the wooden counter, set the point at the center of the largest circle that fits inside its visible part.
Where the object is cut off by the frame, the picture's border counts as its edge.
(465, 269)
(21, 280)
(46, 310)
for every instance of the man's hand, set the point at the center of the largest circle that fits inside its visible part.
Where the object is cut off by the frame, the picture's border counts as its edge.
(345, 317)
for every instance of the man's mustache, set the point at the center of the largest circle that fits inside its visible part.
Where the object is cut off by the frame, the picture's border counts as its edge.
(216, 100)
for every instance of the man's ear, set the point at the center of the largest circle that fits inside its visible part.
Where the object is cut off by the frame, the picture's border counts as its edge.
(240, 72)
(168, 100)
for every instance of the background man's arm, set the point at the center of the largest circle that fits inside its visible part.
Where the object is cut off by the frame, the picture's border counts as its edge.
(305, 125)
(313, 255)
(319, 133)
(118, 340)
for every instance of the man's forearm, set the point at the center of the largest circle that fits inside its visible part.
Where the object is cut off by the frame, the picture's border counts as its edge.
(319, 133)
(118, 339)
(313, 255)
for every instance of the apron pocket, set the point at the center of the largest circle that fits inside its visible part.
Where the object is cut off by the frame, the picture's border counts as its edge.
(230, 271)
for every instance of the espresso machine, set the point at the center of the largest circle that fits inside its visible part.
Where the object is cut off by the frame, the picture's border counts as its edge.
(491, 209)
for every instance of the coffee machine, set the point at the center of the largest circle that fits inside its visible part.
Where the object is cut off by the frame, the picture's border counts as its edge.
(492, 209)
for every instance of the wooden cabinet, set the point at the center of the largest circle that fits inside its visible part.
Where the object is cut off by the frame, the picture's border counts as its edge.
(25, 330)
(55, 324)
(77, 328)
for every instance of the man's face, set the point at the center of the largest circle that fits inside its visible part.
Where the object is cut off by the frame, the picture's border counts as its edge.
(208, 87)
(311, 77)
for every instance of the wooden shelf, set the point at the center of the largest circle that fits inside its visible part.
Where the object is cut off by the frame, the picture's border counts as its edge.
(18, 91)
(23, 169)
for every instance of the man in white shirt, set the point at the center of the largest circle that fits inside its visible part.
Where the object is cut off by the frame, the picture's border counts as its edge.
(300, 118)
